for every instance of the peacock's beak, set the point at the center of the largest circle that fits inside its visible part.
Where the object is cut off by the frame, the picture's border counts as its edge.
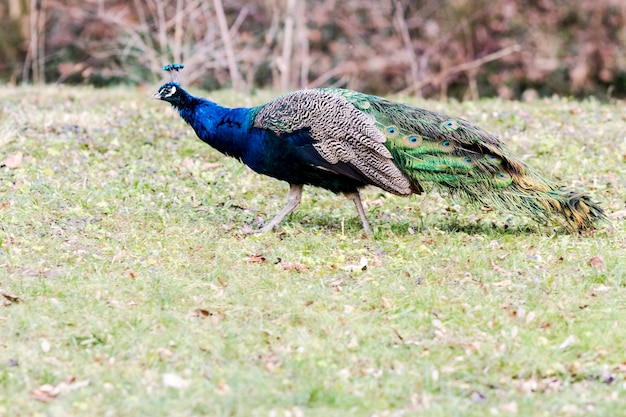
(156, 96)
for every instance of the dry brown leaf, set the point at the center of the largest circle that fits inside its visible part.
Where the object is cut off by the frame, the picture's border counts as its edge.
(48, 392)
(255, 258)
(44, 393)
(14, 160)
(10, 297)
(533, 255)
(545, 325)
(597, 262)
(200, 312)
(222, 388)
(211, 165)
(291, 266)
(498, 269)
(272, 363)
(4, 204)
(473, 347)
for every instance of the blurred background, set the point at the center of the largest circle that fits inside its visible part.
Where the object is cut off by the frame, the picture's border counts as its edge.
(464, 49)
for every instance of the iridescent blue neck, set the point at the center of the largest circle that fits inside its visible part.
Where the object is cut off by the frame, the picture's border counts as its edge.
(221, 127)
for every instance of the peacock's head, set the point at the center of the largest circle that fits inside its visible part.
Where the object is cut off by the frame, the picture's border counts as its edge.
(171, 92)
(174, 94)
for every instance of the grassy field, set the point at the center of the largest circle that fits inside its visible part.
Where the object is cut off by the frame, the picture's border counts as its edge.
(126, 288)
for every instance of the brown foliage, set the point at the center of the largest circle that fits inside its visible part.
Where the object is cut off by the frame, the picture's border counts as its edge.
(428, 47)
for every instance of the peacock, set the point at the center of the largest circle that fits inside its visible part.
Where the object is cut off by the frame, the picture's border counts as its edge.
(343, 140)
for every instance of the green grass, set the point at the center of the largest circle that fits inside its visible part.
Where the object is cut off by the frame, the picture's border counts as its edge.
(119, 234)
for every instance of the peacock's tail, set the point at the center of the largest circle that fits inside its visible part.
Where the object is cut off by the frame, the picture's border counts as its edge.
(466, 160)
(524, 192)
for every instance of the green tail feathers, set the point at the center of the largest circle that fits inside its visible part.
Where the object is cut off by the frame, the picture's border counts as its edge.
(503, 183)
(466, 160)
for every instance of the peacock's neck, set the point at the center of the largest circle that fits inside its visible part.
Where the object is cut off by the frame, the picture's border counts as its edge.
(222, 128)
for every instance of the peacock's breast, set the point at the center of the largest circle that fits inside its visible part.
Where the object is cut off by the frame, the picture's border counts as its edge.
(294, 161)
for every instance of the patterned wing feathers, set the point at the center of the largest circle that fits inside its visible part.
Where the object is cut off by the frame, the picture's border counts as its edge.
(340, 132)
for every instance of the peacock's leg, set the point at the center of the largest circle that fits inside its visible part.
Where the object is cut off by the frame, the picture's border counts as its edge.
(293, 199)
(356, 198)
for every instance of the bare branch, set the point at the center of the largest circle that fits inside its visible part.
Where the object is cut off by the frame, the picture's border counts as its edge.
(284, 62)
(466, 66)
(228, 46)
